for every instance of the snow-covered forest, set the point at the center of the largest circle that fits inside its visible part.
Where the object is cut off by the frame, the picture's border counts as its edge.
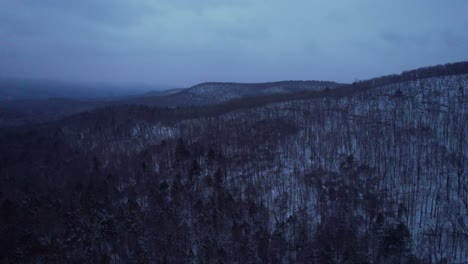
(376, 175)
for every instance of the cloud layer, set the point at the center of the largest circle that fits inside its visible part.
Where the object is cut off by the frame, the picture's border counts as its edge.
(184, 42)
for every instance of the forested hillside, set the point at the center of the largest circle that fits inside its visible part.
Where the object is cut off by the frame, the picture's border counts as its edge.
(372, 174)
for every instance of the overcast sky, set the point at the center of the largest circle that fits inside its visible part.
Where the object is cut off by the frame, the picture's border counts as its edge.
(184, 42)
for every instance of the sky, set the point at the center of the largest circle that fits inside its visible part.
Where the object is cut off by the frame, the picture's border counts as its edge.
(185, 42)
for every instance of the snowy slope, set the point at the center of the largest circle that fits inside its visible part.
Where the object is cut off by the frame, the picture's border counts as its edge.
(213, 92)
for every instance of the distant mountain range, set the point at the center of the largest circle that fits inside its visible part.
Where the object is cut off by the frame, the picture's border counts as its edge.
(25, 89)
(46, 100)
(30, 101)
(217, 92)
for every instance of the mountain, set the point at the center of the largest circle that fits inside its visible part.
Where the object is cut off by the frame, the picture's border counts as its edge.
(217, 92)
(228, 91)
(370, 172)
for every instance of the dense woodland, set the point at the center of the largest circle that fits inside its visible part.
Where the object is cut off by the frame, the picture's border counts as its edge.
(376, 174)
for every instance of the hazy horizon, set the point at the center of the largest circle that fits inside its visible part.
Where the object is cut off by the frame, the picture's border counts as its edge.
(164, 86)
(181, 43)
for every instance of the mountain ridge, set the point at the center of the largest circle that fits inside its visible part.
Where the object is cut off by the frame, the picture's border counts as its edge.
(220, 95)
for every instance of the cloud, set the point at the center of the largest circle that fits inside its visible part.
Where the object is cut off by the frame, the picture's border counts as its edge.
(185, 41)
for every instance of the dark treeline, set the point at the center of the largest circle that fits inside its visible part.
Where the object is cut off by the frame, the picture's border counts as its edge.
(421, 73)
(376, 176)
(285, 84)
